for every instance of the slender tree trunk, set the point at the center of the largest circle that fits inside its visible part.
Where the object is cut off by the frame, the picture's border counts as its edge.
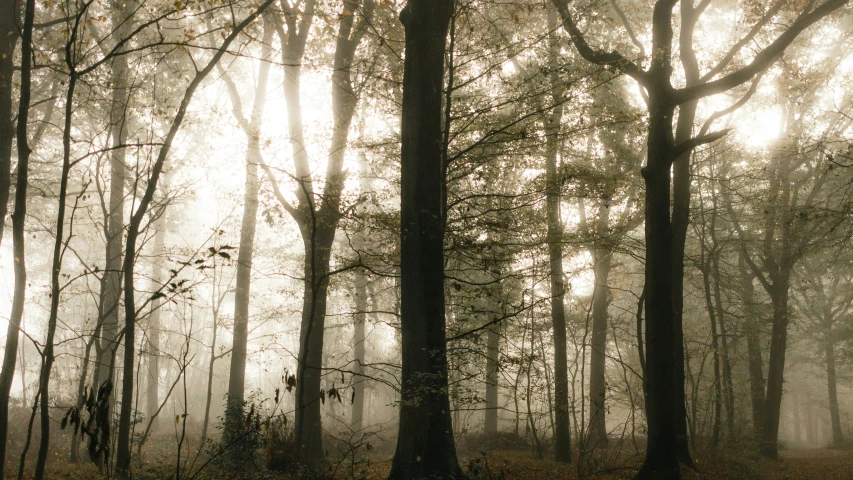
(56, 268)
(110, 293)
(562, 430)
(425, 444)
(752, 330)
(597, 435)
(154, 327)
(318, 221)
(8, 40)
(361, 297)
(309, 428)
(242, 296)
(715, 346)
(795, 409)
(245, 255)
(123, 442)
(7, 375)
(356, 423)
(727, 386)
(490, 426)
(835, 418)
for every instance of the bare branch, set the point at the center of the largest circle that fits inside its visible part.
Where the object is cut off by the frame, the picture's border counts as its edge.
(612, 59)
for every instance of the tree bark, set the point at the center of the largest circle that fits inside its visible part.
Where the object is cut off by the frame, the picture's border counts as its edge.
(425, 444)
(562, 429)
(752, 331)
(153, 350)
(56, 268)
(110, 295)
(663, 365)
(242, 293)
(490, 424)
(835, 417)
(19, 216)
(356, 422)
(775, 374)
(8, 40)
(123, 441)
(597, 435)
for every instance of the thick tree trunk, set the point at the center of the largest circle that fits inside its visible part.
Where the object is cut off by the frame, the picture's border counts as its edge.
(776, 368)
(425, 445)
(835, 417)
(597, 435)
(663, 366)
(19, 216)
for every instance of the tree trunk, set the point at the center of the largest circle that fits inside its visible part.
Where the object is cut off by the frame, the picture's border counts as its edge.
(562, 429)
(715, 346)
(242, 295)
(835, 418)
(309, 429)
(123, 441)
(727, 386)
(153, 393)
(55, 288)
(752, 331)
(663, 366)
(597, 435)
(490, 425)
(356, 423)
(425, 444)
(775, 380)
(110, 294)
(19, 216)
(8, 40)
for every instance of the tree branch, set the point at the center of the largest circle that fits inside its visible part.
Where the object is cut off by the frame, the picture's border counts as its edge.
(762, 60)
(612, 59)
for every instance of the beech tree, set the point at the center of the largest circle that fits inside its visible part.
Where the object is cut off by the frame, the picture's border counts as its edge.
(664, 356)
(425, 445)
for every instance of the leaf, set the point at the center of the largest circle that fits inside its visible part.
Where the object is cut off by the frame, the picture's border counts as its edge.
(177, 419)
(225, 255)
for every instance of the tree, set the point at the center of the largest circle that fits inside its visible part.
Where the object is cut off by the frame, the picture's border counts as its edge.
(19, 217)
(317, 214)
(252, 129)
(562, 431)
(664, 360)
(425, 445)
(129, 261)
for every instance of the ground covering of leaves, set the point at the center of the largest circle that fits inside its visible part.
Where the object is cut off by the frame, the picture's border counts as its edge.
(732, 464)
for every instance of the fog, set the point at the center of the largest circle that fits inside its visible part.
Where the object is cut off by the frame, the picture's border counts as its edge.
(426, 239)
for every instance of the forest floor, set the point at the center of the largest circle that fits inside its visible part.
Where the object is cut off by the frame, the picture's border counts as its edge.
(795, 464)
